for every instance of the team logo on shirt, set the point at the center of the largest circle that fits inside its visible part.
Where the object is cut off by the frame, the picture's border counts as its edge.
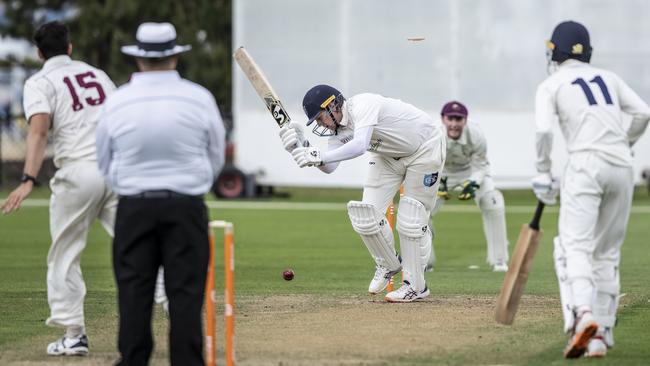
(430, 179)
(374, 145)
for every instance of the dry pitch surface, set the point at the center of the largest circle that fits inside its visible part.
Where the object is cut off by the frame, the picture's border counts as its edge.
(362, 330)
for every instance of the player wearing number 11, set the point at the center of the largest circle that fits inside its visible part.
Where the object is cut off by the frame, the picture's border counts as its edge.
(597, 184)
(64, 99)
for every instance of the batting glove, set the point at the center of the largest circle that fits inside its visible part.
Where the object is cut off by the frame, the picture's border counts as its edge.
(307, 156)
(546, 188)
(469, 190)
(292, 136)
(443, 191)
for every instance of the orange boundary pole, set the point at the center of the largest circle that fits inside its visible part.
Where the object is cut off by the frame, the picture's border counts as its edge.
(210, 326)
(390, 216)
(229, 276)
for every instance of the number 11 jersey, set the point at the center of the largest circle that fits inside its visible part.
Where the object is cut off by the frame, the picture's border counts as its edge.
(72, 93)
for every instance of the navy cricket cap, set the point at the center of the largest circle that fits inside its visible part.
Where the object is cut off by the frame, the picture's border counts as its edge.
(454, 108)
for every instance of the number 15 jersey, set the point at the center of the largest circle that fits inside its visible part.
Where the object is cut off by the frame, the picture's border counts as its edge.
(72, 93)
(588, 102)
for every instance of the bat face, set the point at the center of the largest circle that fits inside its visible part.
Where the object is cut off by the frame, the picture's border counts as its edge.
(520, 265)
(262, 86)
(277, 111)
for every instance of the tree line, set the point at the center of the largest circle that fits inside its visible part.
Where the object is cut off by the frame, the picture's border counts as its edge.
(99, 28)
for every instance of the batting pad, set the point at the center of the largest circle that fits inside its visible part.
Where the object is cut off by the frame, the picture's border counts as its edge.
(415, 239)
(375, 232)
(494, 226)
(606, 300)
(566, 294)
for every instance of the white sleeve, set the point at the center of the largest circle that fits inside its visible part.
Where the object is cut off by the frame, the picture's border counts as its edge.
(633, 105)
(351, 149)
(216, 138)
(103, 146)
(108, 83)
(35, 99)
(545, 115)
(478, 160)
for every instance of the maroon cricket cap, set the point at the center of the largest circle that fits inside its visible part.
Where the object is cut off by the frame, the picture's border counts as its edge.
(454, 108)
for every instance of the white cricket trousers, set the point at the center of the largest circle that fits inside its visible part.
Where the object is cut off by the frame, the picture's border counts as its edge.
(420, 174)
(595, 200)
(79, 196)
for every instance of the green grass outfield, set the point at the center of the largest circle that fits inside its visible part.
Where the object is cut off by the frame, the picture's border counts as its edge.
(310, 232)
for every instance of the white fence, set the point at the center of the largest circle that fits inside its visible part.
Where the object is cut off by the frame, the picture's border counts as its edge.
(488, 54)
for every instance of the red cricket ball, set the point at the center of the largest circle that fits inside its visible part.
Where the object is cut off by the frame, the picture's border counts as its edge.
(288, 274)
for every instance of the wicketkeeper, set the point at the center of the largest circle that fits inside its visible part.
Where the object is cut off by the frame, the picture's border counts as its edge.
(468, 169)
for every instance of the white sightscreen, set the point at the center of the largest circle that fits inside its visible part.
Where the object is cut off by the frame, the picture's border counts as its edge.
(488, 54)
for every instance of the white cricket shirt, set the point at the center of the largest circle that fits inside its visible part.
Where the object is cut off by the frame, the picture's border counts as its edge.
(160, 131)
(588, 102)
(398, 127)
(72, 93)
(468, 154)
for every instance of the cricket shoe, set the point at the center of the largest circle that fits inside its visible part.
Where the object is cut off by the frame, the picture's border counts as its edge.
(500, 267)
(406, 293)
(586, 327)
(381, 279)
(69, 346)
(596, 347)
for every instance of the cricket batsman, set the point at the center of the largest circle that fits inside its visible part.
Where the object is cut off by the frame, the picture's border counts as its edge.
(597, 187)
(468, 168)
(406, 147)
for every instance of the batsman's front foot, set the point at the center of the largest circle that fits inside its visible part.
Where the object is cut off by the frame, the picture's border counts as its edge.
(596, 348)
(406, 293)
(586, 327)
(381, 279)
(65, 346)
(500, 267)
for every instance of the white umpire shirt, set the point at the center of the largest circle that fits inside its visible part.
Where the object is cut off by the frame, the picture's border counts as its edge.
(567, 96)
(72, 93)
(160, 131)
(468, 154)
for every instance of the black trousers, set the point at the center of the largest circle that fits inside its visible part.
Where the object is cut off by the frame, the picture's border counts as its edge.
(150, 232)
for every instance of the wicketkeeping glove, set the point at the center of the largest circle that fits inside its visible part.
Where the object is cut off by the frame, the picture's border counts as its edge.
(443, 191)
(292, 136)
(469, 190)
(307, 156)
(546, 188)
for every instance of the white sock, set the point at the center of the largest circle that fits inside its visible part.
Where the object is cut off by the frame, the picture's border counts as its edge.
(75, 331)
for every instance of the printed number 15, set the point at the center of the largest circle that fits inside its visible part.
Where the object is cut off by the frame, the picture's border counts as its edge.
(81, 80)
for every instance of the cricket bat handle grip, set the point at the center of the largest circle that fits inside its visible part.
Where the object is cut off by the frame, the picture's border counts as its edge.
(534, 223)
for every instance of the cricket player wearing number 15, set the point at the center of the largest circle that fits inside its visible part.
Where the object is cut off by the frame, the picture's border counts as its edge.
(64, 98)
(597, 187)
(406, 146)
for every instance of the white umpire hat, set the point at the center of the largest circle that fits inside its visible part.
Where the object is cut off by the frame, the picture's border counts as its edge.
(155, 40)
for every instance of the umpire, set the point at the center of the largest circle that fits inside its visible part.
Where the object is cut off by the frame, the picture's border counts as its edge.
(160, 144)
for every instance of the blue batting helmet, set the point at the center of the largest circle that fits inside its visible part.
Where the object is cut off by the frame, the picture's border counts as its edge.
(318, 98)
(570, 40)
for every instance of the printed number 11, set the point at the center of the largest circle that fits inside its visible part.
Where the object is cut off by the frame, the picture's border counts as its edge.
(590, 96)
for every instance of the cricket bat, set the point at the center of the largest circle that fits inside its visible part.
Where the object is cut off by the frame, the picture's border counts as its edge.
(520, 265)
(262, 86)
